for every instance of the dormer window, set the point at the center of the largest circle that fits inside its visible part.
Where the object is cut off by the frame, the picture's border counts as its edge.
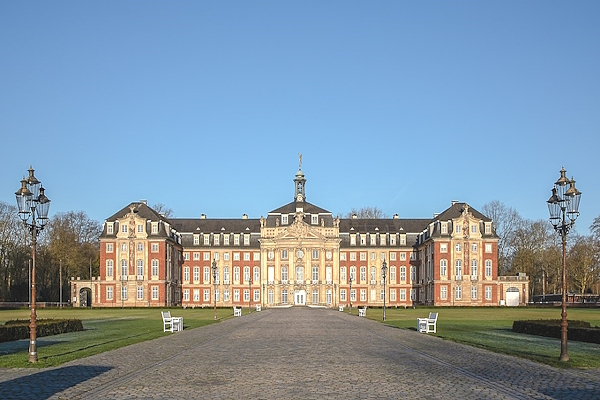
(110, 228)
(155, 228)
(314, 219)
(444, 228)
(284, 220)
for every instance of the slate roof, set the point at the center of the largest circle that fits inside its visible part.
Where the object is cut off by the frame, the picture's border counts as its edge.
(200, 225)
(308, 208)
(455, 211)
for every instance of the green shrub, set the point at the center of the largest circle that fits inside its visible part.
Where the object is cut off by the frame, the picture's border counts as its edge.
(576, 330)
(19, 329)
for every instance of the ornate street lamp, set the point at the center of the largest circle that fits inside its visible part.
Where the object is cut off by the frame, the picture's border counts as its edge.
(563, 206)
(214, 274)
(383, 273)
(33, 208)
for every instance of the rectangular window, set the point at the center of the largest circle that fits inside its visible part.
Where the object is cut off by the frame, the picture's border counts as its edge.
(315, 297)
(186, 256)
(256, 256)
(352, 256)
(457, 228)
(246, 256)
(207, 239)
(392, 256)
(236, 256)
(314, 219)
(393, 240)
(284, 219)
(403, 256)
(315, 254)
(353, 295)
(402, 239)
(196, 256)
(236, 239)
(315, 273)
(216, 240)
(382, 240)
(226, 295)
(109, 247)
(343, 274)
(488, 228)
(474, 292)
(443, 292)
(473, 228)
(155, 227)
(352, 240)
(123, 228)
(186, 274)
(196, 239)
(196, 295)
(123, 292)
(206, 275)
(256, 274)
(236, 295)
(488, 247)
(343, 295)
(225, 256)
(363, 274)
(123, 247)
(444, 228)
(413, 273)
(473, 267)
(124, 268)
(256, 295)
(155, 248)
(474, 247)
(109, 268)
(363, 294)
(392, 274)
(154, 267)
(488, 268)
(140, 228)
(284, 254)
(206, 295)
(458, 247)
(271, 296)
(206, 256)
(247, 240)
(284, 296)
(363, 239)
(363, 256)
(458, 292)
(140, 267)
(236, 274)
(109, 293)
(140, 247)
(109, 228)
(140, 293)
(373, 240)
(226, 240)
(443, 247)
(373, 256)
(443, 268)
(186, 294)
(402, 294)
(403, 273)
(342, 256)
(392, 295)
(488, 293)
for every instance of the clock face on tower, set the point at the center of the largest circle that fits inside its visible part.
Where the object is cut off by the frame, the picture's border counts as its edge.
(299, 197)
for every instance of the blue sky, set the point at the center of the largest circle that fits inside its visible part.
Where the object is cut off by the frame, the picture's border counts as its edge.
(204, 106)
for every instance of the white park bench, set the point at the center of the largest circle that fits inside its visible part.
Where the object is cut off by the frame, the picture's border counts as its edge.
(341, 308)
(171, 324)
(362, 312)
(427, 325)
(258, 308)
(237, 311)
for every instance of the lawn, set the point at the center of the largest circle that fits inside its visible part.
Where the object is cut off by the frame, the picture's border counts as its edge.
(489, 328)
(104, 330)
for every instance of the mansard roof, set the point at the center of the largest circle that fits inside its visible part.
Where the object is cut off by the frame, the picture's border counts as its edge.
(456, 210)
(139, 208)
(209, 225)
(382, 225)
(307, 208)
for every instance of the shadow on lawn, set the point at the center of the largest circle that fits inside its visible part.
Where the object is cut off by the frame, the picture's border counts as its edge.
(45, 384)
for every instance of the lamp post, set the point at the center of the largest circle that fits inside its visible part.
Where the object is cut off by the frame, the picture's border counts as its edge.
(350, 294)
(214, 274)
(563, 207)
(33, 208)
(383, 273)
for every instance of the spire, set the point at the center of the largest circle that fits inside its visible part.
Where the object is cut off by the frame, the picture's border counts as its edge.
(299, 182)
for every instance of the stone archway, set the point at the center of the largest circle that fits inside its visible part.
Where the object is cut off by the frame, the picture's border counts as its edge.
(85, 297)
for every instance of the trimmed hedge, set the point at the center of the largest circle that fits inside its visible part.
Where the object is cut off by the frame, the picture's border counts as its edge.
(19, 329)
(576, 330)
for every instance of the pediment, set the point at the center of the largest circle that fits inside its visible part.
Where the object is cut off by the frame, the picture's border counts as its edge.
(300, 230)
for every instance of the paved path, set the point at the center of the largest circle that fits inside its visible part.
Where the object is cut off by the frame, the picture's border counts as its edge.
(299, 353)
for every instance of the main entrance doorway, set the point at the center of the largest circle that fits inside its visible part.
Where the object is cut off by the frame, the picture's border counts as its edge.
(300, 298)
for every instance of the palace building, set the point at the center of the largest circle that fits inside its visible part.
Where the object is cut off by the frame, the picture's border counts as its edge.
(299, 254)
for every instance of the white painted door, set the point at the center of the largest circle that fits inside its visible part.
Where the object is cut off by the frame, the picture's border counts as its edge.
(300, 297)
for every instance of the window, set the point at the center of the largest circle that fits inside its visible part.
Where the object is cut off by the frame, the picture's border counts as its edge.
(403, 256)
(352, 240)
(246, 256)
(443, 268)
(186, 294)
(392, 256)
(109, 247)
(226, 240)
(109, 268)
(381, 294)
(315, 297)
(196, 239)
(206, 239)
(393, 274)
(473, 228)
(488, 268)
(140, 247)
(458, 268)
(342, 256)
(206, 256)
(109, 293)
(373, 256)
(226, 295)
(488, 228)
(123, 228)
(473, 267)
(216, 295)
(154, 267)
(488, 247)
(186, 274)
(256, 295)
(343, 295)
(206, 294)
(123, 247)
(363, 274)
(236, 274)
(315, 254)
(123, 292)
(140, 228)
(393, 295)
(403, 273)
(373, 240)
(271, 296)
(443, 247)
(256, 273)
(226, 275)
(236, 295)
(236, 239)
(443, 292)
(315, 273)
(402, 239)
(373, 274)
(352, 295)
(109, 228)
(284, 296)
(196, 256)
(155, 249)
(206, 275)
(352, 256)
(236, 256)
(140, 267)
(196, 274)
(299, 273)
(444, 228)
(247, 239)
(123, 267)
(402, 294)
(363, 256)
(474, 247)
(186, 255)
(284, 219)
(363, 294)
(458, 247)
(246, 274)
(392, 240)
(140, 293)
(458, 293)
(256, 256)
(284, 254)
(155, 227)
(343, 274)
(284, 273)
(413, 273)
(457, 228)
(329, 298)
(363, 239)
(216, 240)
(215, 256)
(225, 256)
(196, 295)
(488, 293)
(314, 219)
(382, 240)
(474, 292)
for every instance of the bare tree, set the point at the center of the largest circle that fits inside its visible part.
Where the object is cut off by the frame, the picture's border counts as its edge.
(582, 263)
(163, 210)
(367, 213)
(506, 222)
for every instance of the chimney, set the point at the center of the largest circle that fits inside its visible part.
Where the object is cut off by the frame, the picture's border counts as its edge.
(354, 216)
(144, 201)
(245, 216)
(396, 216)
(454, 202)
(202, 216)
